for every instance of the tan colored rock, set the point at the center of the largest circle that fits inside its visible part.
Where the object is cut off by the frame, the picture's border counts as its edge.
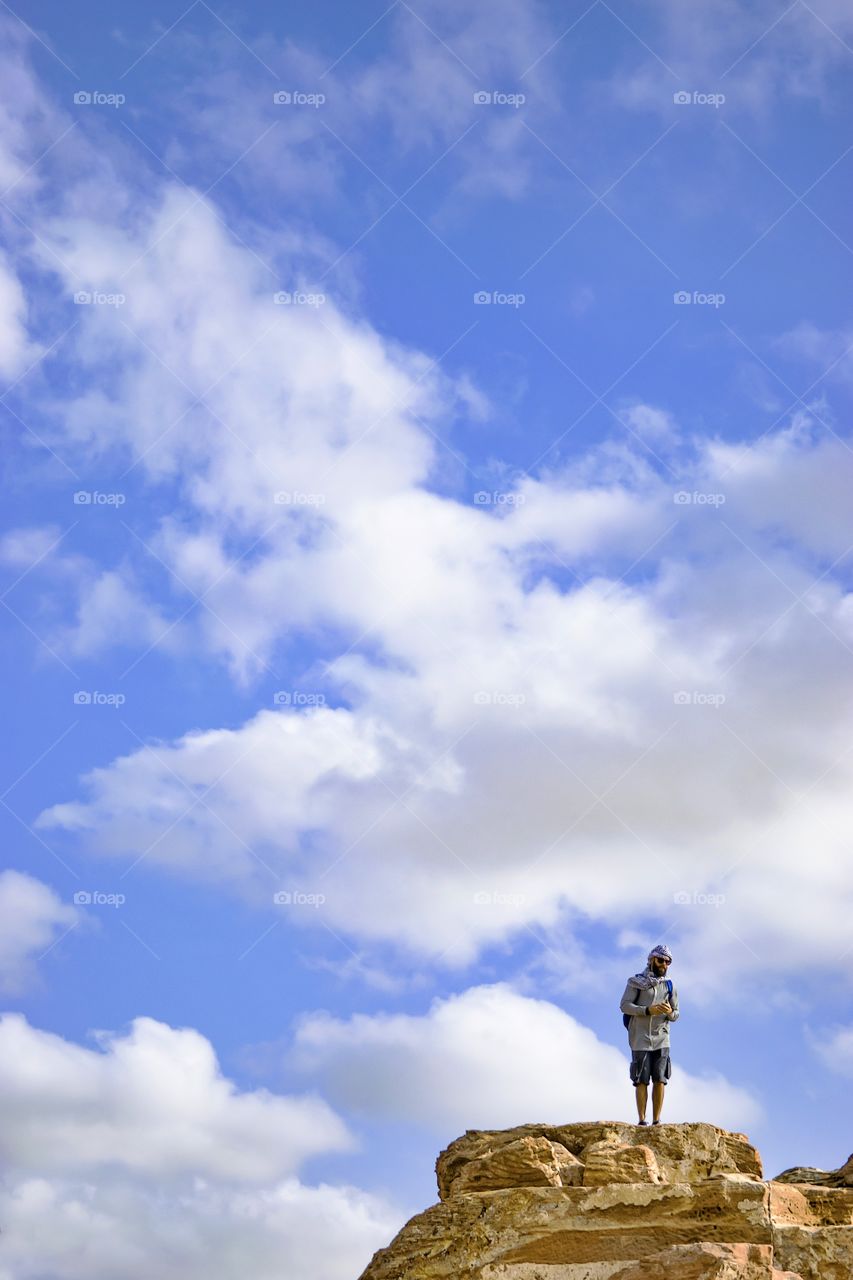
(684, 1152)
(614, 1162)
(708, 1262)
(842, 1177)
(527, 1162)
(511, 1209)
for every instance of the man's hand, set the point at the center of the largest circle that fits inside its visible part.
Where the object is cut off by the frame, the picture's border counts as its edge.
(660, 1008)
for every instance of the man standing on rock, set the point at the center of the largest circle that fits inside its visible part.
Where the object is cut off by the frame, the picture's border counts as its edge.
(651, 1010)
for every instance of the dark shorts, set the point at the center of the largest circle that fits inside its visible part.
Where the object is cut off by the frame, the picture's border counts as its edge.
(650, 1065)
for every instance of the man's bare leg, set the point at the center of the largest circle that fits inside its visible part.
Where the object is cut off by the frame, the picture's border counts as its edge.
(642, 1092)
(658, 1089)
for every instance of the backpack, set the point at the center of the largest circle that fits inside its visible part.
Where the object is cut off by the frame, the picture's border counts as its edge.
(626, 1017)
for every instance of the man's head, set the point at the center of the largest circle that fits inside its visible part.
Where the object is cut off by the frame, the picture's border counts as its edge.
(659, 959)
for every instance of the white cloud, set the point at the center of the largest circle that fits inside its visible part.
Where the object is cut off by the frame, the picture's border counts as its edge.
(652, 423)
(16, 349)
(32, 917)
(103, 1228)
(21, 548)
(154, 1102)
(500, 744)
(491, 1058)
(835, 1050)
(505, 665)
(830, 351)
(109, 607)
(112, 610)
(140, 1158)
(756, 54)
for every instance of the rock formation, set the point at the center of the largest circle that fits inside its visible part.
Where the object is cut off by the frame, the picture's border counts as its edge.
(612, 1201)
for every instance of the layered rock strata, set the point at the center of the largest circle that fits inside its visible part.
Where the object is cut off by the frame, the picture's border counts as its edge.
(613, 1201)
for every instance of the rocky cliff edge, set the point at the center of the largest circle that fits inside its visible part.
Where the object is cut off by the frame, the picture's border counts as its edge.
(614, 1201)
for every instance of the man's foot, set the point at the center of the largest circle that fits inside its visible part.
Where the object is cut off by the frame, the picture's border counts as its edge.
(656, 1122)
(642, 1122)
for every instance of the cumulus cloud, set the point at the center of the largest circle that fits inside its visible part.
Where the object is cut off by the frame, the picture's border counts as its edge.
(491, 1058)
(102, 1228)
(567, 729)
(139, 1157)
(32, 918)
(154, 1102)
(523, 697)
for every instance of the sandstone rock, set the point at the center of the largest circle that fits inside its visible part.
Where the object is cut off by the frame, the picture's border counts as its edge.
(708, 1262)
(684, 1152)
(842, 1177)
(527, 1162)
(606, 1162)
(610, 1201)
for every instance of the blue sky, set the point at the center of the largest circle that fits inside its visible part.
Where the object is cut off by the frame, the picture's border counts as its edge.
(426, 559)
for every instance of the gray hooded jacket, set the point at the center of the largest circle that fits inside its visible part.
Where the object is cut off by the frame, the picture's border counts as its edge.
(648, 1031)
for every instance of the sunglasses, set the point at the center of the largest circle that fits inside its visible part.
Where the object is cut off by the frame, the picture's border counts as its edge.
(661, 960)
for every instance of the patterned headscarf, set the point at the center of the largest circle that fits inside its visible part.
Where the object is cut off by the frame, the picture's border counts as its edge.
(648, 978)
